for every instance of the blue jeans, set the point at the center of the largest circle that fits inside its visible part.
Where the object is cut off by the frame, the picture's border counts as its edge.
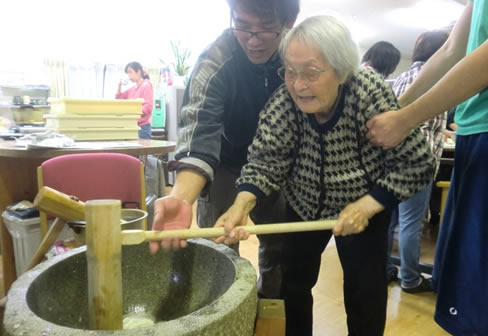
(145, 131)
(410, 216)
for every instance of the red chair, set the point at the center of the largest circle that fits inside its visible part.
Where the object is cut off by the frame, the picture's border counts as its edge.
(95, 176)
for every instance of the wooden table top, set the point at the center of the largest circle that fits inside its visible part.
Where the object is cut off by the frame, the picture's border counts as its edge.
(132, 147)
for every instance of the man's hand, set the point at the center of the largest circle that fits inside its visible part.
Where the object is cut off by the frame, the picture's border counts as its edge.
(388, 129)
(170, 213)
(355, 216)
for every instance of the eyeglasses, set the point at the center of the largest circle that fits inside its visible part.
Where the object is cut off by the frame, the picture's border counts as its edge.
(310, 74)
(262, 35)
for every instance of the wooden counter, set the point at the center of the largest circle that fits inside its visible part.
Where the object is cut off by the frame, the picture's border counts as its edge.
(18, 179)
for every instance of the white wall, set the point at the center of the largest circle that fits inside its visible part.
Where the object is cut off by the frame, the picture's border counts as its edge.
(111, 31)
(404, 65)
(106, 31)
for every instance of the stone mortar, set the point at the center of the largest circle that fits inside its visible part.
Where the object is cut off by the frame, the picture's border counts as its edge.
(205, 289)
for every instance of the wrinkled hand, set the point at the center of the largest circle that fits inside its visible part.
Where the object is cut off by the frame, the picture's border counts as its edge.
(235, 216)
(351, 220)
(354, 218)
(170, 213)
(387, 129)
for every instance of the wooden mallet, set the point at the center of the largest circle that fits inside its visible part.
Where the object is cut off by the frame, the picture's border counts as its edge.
(104, 239)
(61, 205)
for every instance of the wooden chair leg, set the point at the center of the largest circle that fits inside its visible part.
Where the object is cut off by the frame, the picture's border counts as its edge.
(444, 185)
(271, 319)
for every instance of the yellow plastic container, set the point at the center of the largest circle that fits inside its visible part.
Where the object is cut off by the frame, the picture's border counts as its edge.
(62, 121)
(68, 105)
(81, 134)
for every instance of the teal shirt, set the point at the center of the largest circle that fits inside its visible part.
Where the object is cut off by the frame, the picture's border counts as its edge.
(472, 115)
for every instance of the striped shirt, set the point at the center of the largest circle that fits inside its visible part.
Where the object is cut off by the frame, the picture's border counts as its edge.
(433, 129)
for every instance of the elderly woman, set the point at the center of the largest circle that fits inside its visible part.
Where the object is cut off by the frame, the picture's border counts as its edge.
(311, 142)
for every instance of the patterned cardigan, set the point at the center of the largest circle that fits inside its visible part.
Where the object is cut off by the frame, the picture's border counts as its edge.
(324, 167)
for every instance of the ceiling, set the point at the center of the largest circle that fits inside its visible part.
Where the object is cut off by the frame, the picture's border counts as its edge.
(396, 21)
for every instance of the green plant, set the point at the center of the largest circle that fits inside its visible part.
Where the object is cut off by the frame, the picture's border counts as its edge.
(181, 56)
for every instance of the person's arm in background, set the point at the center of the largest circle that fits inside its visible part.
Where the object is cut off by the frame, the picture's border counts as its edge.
(119, 94)
(451, 125)
(147, 94)
(437, 86)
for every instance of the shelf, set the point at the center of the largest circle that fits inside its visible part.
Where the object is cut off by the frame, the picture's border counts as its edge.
(27, 106)
(11, 86)
(26, 87)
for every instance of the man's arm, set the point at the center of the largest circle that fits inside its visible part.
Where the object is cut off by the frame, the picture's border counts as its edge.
(188, 185)
(201, 123)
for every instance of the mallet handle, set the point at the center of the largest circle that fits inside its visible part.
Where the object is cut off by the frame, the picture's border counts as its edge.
(134, 237)
(104, 264)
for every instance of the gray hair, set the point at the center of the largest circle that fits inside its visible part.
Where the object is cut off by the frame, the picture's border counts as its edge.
(332, 38)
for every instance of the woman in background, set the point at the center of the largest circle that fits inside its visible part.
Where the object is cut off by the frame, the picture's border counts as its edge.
(383, 58)
(143, 89)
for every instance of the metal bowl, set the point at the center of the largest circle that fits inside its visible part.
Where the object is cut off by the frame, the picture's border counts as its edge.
(135, 220)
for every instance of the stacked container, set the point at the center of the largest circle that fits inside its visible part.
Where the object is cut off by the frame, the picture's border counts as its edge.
(95, 119)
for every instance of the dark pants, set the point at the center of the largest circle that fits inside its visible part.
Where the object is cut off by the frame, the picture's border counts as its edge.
(363, 260)
(460, 275)
(220, 197)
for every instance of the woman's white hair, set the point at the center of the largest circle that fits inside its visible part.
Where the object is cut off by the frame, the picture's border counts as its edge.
(332, 38)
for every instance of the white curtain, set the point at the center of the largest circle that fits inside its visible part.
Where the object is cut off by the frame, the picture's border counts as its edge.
(85, 80)
(154, 76)
(56, 74)
(113, 74)
(74, 80)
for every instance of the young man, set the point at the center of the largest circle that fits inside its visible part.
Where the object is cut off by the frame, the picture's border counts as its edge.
(229, 86)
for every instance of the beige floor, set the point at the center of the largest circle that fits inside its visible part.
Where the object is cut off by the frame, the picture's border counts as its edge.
(408, 314)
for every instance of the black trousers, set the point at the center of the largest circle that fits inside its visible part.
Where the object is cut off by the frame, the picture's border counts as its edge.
(220, 197)
(363, 260)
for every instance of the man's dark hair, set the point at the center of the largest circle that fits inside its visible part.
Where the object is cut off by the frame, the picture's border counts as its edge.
(427, 44)
(287, 10)
(383, 57)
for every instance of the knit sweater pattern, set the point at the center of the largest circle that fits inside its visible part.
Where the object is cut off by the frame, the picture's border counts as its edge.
(324, 167)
